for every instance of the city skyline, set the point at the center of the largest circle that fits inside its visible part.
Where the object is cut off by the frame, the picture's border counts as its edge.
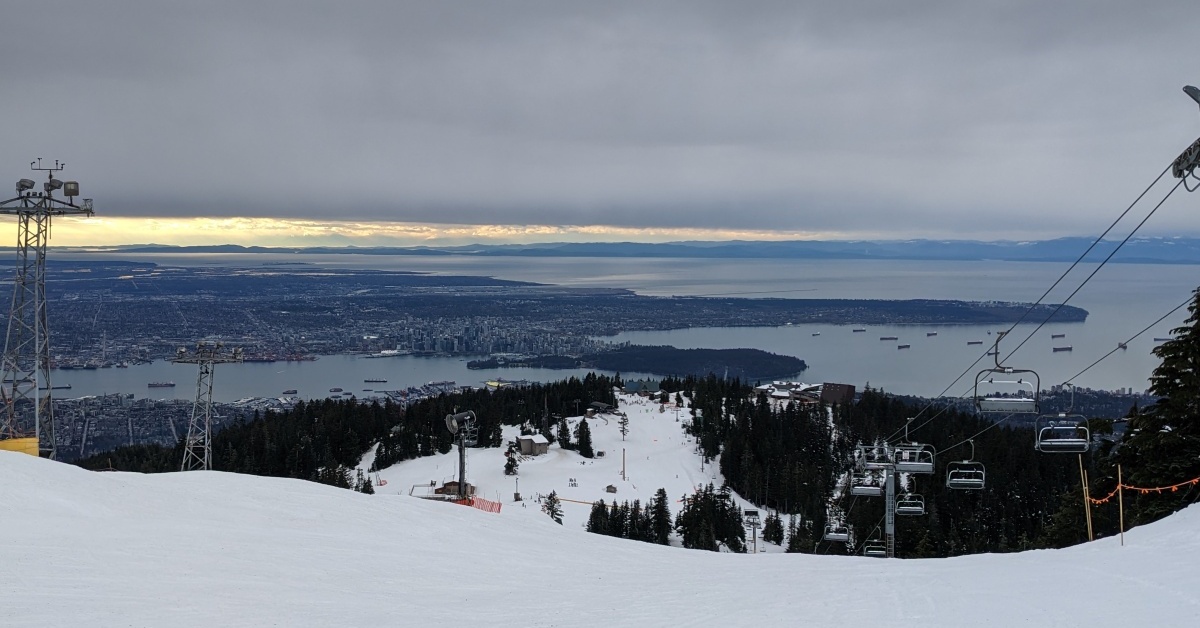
(375, 124)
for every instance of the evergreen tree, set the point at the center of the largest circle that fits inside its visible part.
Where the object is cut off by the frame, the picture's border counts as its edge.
(772, 531)
(660, 517)
(793, 536)
(583, 434)
(552, 508)
(564, 435)
(368, 488)
(1162, 445)
(510, 459)
(598, 518)
(623, 422)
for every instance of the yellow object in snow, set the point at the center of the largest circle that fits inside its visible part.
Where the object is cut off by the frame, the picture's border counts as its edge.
(20, 445)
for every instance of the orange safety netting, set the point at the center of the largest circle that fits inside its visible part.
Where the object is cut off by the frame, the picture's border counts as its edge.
(1143, 490)
(485, 505)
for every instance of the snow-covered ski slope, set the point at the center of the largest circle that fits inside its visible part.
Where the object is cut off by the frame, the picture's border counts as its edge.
(217, 549)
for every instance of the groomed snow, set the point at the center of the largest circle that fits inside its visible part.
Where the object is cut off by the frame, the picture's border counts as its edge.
(218, 549)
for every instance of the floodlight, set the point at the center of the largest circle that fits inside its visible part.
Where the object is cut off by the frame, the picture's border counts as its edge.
(24, 184)
(71, 188)
(1193, 92)
(53, 184)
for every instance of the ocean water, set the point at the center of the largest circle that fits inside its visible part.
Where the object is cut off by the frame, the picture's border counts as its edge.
(1121, 300)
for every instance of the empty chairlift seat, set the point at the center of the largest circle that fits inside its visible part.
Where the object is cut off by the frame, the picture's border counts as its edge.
(1007, 405)
(910, 504)
(965, 475)
(839, 534)
(1063, 435)
(866, 485)
(873, 457)
(875, 549)
(913, 458)
(1020, 396)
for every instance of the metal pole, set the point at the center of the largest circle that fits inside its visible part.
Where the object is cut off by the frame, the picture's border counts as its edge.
(1087, 507)
(1121, 503)
(890, 512)
(462, 464)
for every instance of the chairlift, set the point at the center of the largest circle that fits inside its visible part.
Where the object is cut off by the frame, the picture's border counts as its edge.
(866, 485)
(914, 458)
(1063, 433)
(1014, 402)
(837, 533)
(910, 457)
(875, 548)
(910, 504)
(873, 457)
(966, 475)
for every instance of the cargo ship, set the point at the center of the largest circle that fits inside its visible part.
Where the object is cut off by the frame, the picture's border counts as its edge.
(1058, 335)
(1163, 339)
(888, 338)
(974, 342)
(161, 385)
(858, 329)
(903, 346)
(290, 391)
(374, 381)
(337, 390)
(1066, 348)
(930, 333)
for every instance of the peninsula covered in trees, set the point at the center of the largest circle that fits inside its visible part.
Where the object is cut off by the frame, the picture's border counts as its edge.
(747, 364)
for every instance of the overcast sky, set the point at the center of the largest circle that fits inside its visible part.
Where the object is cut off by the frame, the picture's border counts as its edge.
(601, 120)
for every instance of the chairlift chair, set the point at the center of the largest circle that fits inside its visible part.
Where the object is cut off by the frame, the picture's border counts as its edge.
(913, 458)
(966, 475)
(1008, 405)
(875, 549)
(1017, 404)
(1062, 434)
(865, 485)
(910, 504)
(872, 457)
(839, 534)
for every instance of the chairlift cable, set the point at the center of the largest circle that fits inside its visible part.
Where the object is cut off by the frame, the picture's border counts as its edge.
(1131, 338)
(939, 412)
(1096, 270)
(976, 435)
(1074, 264)
(873, 530)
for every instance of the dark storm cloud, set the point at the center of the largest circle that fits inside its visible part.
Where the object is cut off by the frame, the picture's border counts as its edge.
(968, 118)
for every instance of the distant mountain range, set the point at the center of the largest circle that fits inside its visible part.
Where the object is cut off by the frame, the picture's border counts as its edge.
(1141, 250)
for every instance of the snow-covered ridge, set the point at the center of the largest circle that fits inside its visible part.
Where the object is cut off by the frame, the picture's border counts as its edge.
(208, 549)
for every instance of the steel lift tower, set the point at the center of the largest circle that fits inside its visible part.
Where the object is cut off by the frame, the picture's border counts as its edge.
(28, 411)
(197, 449)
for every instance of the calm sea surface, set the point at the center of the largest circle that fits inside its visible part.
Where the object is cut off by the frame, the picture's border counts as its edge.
(1121, 299)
